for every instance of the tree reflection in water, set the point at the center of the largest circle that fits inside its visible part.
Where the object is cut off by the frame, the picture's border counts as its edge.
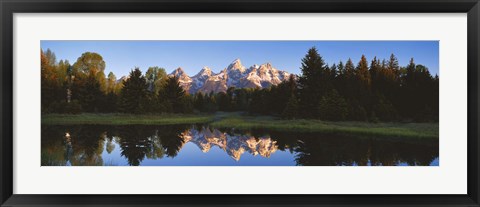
(88, 144)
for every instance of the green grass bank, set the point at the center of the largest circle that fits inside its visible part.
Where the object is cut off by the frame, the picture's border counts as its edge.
(124, 119)
(417, 130)
(245, 122)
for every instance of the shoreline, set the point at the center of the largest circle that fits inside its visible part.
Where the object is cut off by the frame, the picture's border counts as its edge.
(244, 122)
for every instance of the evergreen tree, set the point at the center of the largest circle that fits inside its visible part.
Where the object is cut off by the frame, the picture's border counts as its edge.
(345, 86)
(86, 90)
(340, 69)
(375, 70)
(231, 97)
(291, 110)
(333, 72)
(333, 107)
(384, 109)
(173, 96)
(111, 102)
(199, 102)
(363, 84)
(409, 91)
(210, 103)
(312, 83)
(133, 93)
(242, 99)
(223, 101)
(362, 73)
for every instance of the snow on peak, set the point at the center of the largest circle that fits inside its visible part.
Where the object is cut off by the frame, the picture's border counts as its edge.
(235, 75)
(206, 68)
(178, 72)
(199, 80)
(206, 71)
(184, 80)
(236, 65)
(266, 66)
(236, 61)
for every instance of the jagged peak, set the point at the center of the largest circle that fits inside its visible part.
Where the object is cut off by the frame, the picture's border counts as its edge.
(179, 69)
(254, 70)
(178, 72)
(267, 65)
(236, 65)
(205, 71)
(236, 61)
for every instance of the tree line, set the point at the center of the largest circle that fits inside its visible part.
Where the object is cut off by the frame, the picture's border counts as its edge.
(83, 87)
(379, 90)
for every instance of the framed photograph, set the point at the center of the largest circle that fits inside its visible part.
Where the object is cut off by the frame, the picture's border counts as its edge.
(239, 103)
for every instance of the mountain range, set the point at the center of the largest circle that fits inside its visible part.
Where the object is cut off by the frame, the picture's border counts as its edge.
(235, 75)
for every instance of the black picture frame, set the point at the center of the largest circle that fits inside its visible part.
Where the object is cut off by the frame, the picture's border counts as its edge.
(9, 7)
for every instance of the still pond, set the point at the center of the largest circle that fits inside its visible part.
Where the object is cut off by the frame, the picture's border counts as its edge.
(201, 145)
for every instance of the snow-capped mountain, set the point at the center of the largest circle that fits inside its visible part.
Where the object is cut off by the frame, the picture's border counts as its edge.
(235, 72)
(199, 80)
(234, 75)
(216, 83)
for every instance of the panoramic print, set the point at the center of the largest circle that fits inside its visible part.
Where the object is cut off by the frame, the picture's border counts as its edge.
(239, 103)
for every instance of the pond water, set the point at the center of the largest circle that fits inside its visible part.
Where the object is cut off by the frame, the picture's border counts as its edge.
(200, 145)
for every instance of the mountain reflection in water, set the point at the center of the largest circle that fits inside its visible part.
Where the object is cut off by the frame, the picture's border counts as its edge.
(234, 144)
(94, 145)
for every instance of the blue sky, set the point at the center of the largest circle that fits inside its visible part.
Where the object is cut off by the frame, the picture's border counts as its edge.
(122, 56)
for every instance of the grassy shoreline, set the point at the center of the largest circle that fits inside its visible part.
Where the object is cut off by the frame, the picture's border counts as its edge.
(414, 130)
(124, 119)
(243, 122)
